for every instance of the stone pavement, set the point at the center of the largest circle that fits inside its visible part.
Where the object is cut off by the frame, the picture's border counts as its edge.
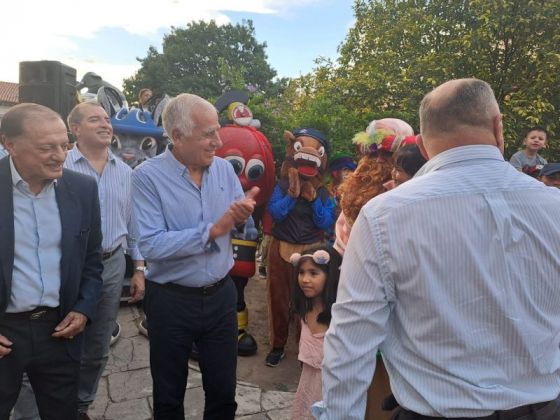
(125, 390)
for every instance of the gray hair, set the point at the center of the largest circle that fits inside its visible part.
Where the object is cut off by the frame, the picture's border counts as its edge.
(471, 103)
(178, 113)
(13, 121)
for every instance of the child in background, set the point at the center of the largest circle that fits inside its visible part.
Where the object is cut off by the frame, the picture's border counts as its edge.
(528, 160)
(318, 271)
(550, 175)
(407, 161)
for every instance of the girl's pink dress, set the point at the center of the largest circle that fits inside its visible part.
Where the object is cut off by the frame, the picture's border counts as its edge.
(309, 390)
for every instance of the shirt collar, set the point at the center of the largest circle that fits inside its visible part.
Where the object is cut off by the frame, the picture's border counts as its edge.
(16, 177)
(178, 166)
(75, 155)
(460, 154)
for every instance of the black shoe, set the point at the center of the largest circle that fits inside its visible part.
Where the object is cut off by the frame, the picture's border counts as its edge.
(115, 334)
(273, 358)
(143, 327)
(262, 271)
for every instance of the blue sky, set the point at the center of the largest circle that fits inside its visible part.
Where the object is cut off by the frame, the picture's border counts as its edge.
(296, 31)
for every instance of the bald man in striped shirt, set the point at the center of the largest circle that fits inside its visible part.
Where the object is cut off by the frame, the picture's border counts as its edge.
(454, 276)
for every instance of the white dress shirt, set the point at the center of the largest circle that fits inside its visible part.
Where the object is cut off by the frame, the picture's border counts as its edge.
(455, 277)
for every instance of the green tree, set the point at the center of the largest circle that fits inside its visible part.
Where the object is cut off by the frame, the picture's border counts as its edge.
(400, 49)
(205, 59)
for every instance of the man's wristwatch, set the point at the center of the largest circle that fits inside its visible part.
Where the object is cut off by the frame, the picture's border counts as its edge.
(141, 268)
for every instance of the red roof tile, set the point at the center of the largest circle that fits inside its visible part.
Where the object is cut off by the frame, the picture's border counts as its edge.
(9, 92)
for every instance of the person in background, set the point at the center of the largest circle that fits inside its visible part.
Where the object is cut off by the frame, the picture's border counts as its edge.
(550, 175)
(440, 275)
(528, 160)
(406, 162)
(317, 271)
(188, 203)
(144, 97)
(50, 262)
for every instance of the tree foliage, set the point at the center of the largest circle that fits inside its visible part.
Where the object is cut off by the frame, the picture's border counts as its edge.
(398, 50)
(205, 59)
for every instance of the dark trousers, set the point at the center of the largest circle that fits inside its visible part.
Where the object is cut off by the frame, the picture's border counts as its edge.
(51, 371)
(176, 321)
(541, 411)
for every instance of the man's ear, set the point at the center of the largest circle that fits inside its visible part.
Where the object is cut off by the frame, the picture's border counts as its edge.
(175, 135)
(499, 132)
(420, 143)
(8, 144)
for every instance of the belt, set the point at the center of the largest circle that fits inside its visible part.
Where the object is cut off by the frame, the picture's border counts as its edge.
(200, 291)
(512, 414)
(40, 312)
(107, 255)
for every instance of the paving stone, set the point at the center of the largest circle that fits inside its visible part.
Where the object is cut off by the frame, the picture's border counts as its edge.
(284, 414)
(122, 353)
(97, 408)
(137, 409)
(273, 400)
(194, 379)
(248, 400)
(130, 385)
(260, 416)
(140, 353)
(194, 403)
(129, 329)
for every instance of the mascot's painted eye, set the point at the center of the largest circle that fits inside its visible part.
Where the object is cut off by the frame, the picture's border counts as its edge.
(321, 151)
(255, 169)
(237, 162)
(147, 143)
(116, 142)
(297, 146)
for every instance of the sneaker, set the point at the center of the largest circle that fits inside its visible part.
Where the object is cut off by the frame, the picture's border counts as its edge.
(143, 327)
(115, 334)
(273, 358)
(262, 271)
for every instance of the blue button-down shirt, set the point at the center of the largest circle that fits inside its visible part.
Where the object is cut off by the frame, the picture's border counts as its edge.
(37, 252)
(455, 276)
(115, 200)
(175, 216)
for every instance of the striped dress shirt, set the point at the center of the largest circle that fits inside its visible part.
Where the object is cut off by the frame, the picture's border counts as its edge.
(455, 277)
(115, 200)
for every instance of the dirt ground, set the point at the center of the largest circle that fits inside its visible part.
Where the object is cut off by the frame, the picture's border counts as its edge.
(252, 369)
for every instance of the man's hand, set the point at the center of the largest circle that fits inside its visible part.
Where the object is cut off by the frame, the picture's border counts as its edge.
(5, 345)
(137, 287)
(237, 213)
(73, 324)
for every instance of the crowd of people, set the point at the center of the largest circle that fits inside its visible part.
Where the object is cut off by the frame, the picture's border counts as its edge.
(424, 275)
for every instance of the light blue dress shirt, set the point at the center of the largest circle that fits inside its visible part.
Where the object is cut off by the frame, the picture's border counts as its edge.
(37, 252)
(455, 277)
(115, 200)
(175, 216)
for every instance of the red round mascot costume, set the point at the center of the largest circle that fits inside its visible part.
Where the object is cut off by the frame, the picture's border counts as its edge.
(250, 153)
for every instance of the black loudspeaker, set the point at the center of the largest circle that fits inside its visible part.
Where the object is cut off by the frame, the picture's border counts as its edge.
(48, 83)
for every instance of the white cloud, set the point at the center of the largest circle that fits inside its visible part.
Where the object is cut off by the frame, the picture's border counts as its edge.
(51, 30)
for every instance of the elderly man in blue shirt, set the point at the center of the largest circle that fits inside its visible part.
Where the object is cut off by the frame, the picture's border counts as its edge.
(188, 204)
(454, 277)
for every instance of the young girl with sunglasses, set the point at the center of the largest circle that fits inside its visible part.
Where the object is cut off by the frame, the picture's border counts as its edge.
(318, 271)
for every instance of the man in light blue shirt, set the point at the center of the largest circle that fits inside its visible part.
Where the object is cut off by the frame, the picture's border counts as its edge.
(91, 156)
(188, 202)
(50, 262)
(454, 277)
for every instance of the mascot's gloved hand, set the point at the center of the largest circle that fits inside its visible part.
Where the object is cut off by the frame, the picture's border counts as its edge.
(308, 192)
(294, 184)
